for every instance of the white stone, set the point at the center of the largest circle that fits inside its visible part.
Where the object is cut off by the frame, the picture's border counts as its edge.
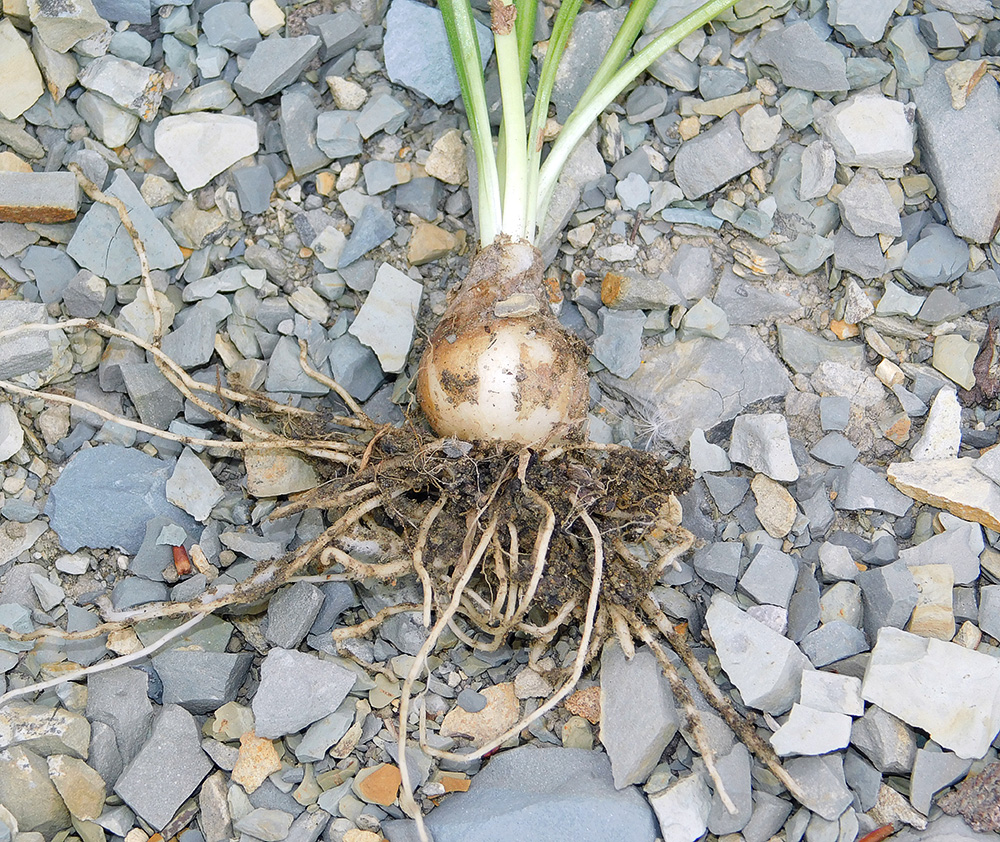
(200, 146)
(192, 486)
(765, 666)
(942, 434)
(945, 689)
(832, 692)
(871, 131)
(49, 593)
(74, 564)
(22, 81)
(386, 320)
(760, 130)
(11, 434)
(682, 809)
(706, 457)
(761, 442)
(267, 16)
(811, 731)
(989, 464)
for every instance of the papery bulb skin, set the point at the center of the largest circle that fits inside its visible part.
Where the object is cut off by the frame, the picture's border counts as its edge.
(499, 366)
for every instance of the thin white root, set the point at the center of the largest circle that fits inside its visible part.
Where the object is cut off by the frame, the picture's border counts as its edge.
(104, 666)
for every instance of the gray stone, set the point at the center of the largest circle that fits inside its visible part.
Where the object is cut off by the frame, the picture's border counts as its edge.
(889, 596)
(387, 319)
(770, 578)
(51, 270)
(746, 303)
(909, 53)
(102, 245)
(761, 442)
(989, 609)
(896, 301)
(941, 688)
(619, 344)
(682, 808)
(417, 54)
(264, 824)
(764, 666)
(859, 22)
(821, 780)
(712, 159)
(861, 256)
(955, 144)
(834, 449)
(863, 779)
(84, 295)
(255, 547)
(132, 87)
(646, 103)
(373, 227)
(118, 699)
(734, 769)
(808, 731)
(979, 289)
(192, 487)
(804, 351)
(836, 563)
(34, 803)
(806, 253)
(382, 113)
(804, 606)
(959, 546)
(298, 120)
(340, 32)
(88, 651)
(819, 170)
(355, 367)
(704, 456)
(860, 488)
(886, 741)
(200, 681)
(833, 642)
(941, 306)
(337, 134)
(134, 591)
(700, 383)
(719, 563)
(864, 72)
(866, 206)
(291, 613)
(714, 82)
(590, 40)
(254, 186)
(155, 398)
(933, 770)
(703, 319)
(230, 26)
(274, 64)
(421, 196)
(167, 769)
(337, 598)
(132, 488)
(871, 130)
(727, 492)
(803, 59)
(939, 257)
(551, 793)
(297, 689)
(638, 718)
(769, 814)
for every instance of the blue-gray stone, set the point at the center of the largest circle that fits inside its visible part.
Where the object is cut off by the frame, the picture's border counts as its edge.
(941, 32)
(134, 590)
(19, 511)
(713, 158)
(806, 253)
(834, 449)
(291, 613)
(254, 186)
(101, 244)
(119, 699)
(153, 556)
(909, 53)
(859, 488)
(645, 103)
(803, 58)
(714, 82)
(816, 216)
(230, 26)
(417, 54)
(832, 642)
(934, 770)
(619, 343)
(355, 367)
(556, 794)
(155, 398)
(421, 196)
(804, 351)
(979, 289)
(734, 769)
(727, 491)
(861, 256)
(593, 32)
(471, 701)
(863, 72)
(889, 595)
(804, 607)
(861, 23)
(885, 740)
(130, 44)
(131, 489)
(770, 578)
(201, 681)
(339, 32)
(169, 767)
(85, 294)
(274, 64)
(337, 134)
(374, 227)
(191, 342)
(938, 257)
(134, 11)
(52, 270)
(834, 412)
(381, 113)
(298, 120)
(821, 779)
(719, 564)
(285, 374)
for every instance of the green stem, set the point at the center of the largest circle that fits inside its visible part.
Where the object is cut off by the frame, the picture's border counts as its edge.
(462, 38)
(587, 111)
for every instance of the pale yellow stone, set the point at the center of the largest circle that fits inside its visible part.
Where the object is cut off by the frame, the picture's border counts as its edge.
(21, 84)
(950, 484)
(17, 11)
(325, 183)
(80, 786)
(9, 162)
(429, 243)
(776, 508)
(447, 159)
(500, 714)
(257, 759)
(934, 614)
(267, 16)
(688, 128)
(347, 95)
(889, 373)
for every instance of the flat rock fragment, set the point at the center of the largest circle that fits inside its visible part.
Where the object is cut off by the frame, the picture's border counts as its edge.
(943, 688)
(711, 159)
(871, 131)
(200, 146)
(682, 809)
(803, 59)
(386, 321)
(547, 793)
(274, 64)
(808, 731)
(25, 785)
(22, 79)
(64, 23)
(132, 87)
(950, 484)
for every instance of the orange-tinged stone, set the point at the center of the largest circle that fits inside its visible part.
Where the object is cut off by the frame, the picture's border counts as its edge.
(427, 243)
(898, 430)
(586, 703)
(325, 182)
(257, 759)
(379, 785)
(844, 330)
(451, 784)
(611, 288)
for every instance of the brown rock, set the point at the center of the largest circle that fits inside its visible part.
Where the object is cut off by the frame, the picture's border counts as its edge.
(586, 703)
(977, 800)
(776, 510)
(934, 614)
(453, 784)
(500, 714)
(429, 243)
(950, 484)
(257, 759)
(897, 428)
(378, 785)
